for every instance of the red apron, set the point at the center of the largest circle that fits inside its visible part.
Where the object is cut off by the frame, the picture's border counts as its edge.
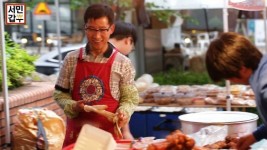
(91, 83)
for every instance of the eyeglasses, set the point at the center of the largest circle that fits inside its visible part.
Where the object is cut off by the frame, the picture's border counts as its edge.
(93, 30)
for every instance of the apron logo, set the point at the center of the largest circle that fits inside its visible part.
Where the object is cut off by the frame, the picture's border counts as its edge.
(91, 89)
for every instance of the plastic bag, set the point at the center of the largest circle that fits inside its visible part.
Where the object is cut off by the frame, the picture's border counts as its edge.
(38, 128)
(210, 134)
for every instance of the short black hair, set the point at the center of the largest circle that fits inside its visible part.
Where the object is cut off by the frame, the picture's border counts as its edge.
(96, 11)
(124, 30)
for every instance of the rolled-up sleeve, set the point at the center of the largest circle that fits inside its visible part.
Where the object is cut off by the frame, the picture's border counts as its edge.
(65, 102)
(62, 94)
(129, 97)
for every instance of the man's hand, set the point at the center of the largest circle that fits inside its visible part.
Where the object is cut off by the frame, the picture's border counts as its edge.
(245, 141)
(78, 106)
(123, 119)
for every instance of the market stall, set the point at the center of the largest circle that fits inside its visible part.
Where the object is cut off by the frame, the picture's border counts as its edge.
(189, 96)
(161, 105)
(197, 96)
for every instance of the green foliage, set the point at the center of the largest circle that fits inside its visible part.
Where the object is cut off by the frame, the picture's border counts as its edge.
(119, 6)
(74, 4)
(29, 4)
(176, 77)
(85, 3)
(19, 63)
(164, 14)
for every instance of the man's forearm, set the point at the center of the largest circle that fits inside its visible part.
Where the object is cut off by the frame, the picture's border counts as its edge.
(129, 99)
(65, 101)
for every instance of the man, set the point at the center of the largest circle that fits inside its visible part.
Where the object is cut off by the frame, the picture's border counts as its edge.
(124, 38)
(235, 58)
(96, 75)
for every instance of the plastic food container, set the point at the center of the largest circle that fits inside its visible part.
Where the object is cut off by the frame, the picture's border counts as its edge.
(94, 138)
(163, 98)
(184, 99)
(239, 123)
(121, 145)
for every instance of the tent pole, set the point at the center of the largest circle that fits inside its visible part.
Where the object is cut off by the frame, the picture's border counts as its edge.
(225, 29)
(225, 16)
(4, 78)
(58, 33)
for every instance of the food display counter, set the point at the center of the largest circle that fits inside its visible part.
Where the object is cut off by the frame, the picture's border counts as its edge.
(206, 96)
(160, 107)
(218, 126)
(151, 119)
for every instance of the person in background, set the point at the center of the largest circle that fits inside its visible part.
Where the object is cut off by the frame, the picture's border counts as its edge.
(233, 57)
(124, 38)
(96, 75)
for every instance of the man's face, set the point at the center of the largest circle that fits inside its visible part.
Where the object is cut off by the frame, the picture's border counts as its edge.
(98, 32)
(128, 46)
(244, 75)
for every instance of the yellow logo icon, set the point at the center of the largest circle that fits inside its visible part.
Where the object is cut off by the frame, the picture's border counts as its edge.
(42, 9)
(20, 16)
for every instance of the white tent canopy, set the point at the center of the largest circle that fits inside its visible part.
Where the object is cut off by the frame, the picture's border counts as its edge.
(192, 4)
